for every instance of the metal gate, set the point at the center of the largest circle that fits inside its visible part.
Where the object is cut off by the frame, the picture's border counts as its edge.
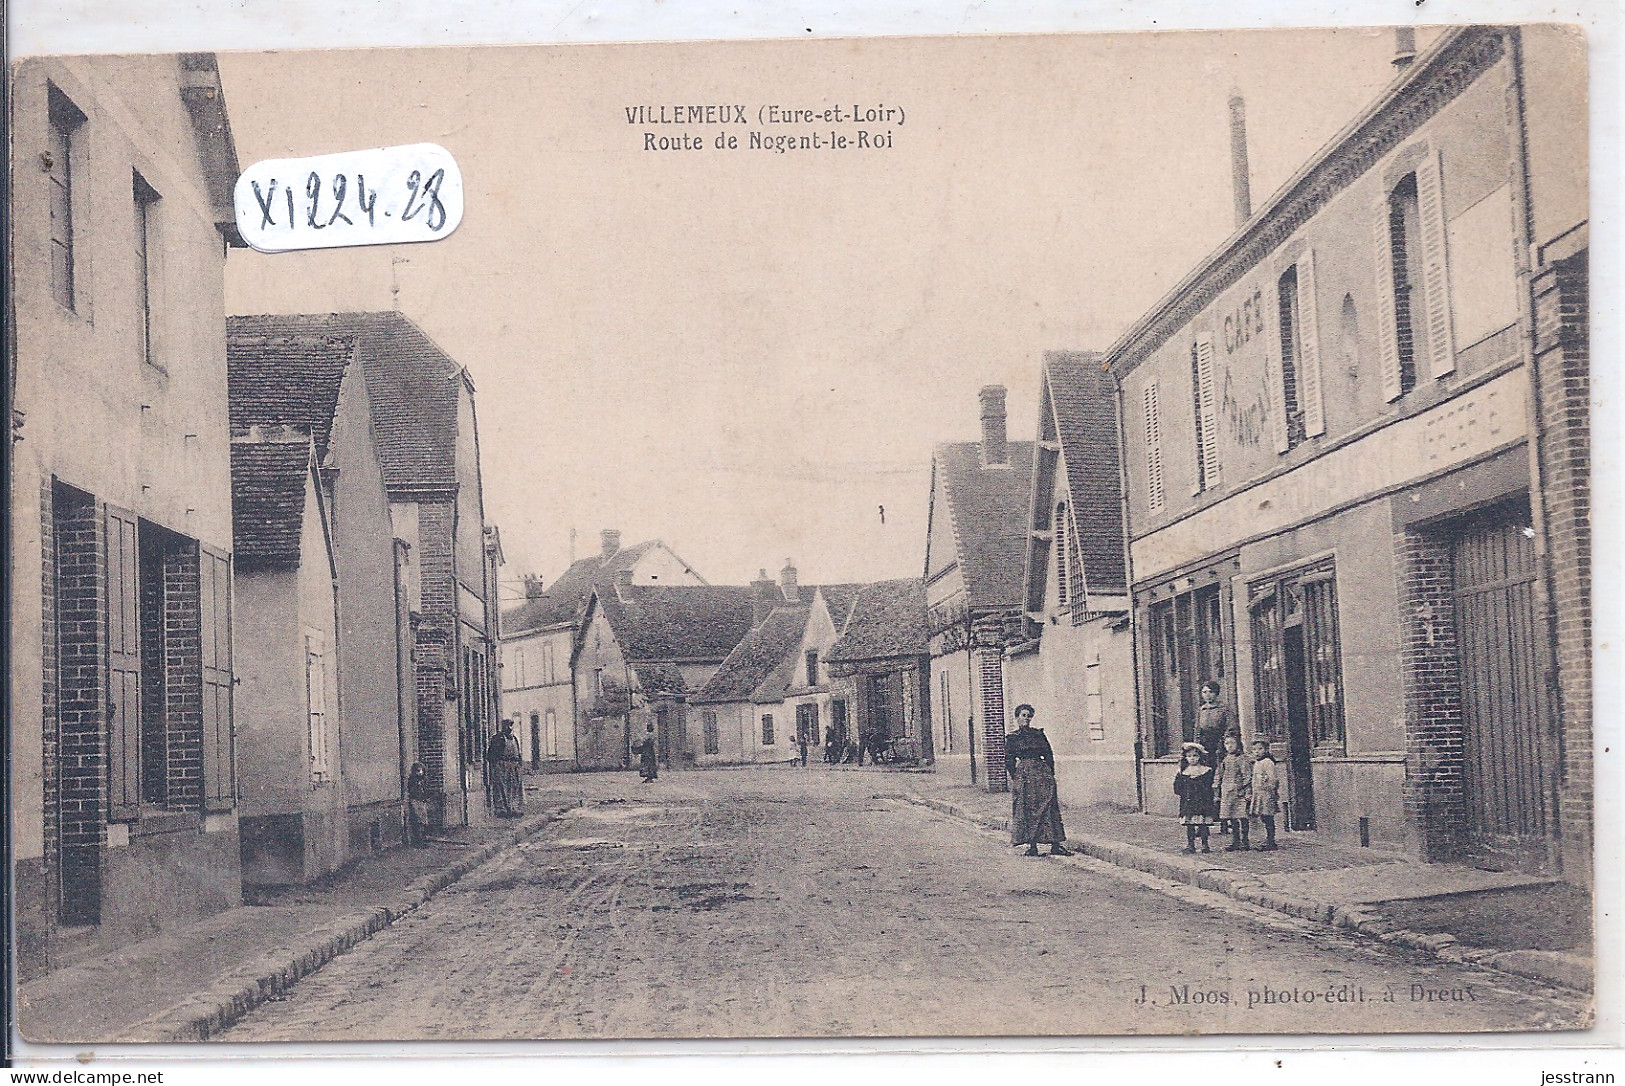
(1503, 708)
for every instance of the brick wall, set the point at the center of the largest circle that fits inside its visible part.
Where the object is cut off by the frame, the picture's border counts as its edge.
(1434, 730)
(989, 654)
(81, 618)
(183, 676)
(48, 687)
(1563, 392)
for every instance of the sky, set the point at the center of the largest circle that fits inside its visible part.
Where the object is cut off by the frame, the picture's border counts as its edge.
(750, 355)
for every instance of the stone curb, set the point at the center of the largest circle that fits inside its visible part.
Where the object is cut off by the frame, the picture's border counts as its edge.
(1559, 969)
(233, 996)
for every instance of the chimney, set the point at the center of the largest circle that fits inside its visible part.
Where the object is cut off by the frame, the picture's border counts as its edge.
(623, 581)
(609, 542)
(993, 437)
(787, 582)
(533, 586)
(764, 595)
(1404, 48)
(1240, 174)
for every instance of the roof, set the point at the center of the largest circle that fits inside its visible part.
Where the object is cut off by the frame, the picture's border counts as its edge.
(839, 599)
(888, 620)
(759, 657)
(412, 386)
(282, 372)
(1082, 402)
(987, 507)
(268, 502)
(656, 677)
(677, 622)
(565, 600)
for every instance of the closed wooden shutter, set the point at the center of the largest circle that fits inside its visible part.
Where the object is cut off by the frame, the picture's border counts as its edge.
(1063, 584)
(1435, 268)
(123, 667)
(1156, 498)
(1275, 349)
(1207, 413)
(1387, 323)
(219, 748)
(1310, 400)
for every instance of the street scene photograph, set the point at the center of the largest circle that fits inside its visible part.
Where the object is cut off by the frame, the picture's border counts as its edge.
(1027, 536)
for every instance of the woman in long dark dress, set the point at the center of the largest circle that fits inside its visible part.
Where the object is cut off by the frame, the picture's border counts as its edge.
(648, 761)
(503, 764)
(1035, 809)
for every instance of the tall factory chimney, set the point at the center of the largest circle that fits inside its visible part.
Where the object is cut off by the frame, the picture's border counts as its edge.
(1240, 174)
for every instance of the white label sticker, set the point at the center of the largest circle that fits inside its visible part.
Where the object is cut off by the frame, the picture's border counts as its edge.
(385, 196)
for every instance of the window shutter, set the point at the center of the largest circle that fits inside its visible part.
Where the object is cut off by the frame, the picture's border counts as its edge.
(1435, 267)
(1063, 585)
(219, 747)
(1155, 496)
(1309, 393)
(123, 667)
(1273, 347)
(1208, 413)
(1387, 323)
(1074, 560)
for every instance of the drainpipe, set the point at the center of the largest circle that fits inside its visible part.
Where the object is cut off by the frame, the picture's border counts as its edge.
(1128, 575)
(970, 693)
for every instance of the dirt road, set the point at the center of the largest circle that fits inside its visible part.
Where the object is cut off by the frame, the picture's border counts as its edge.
(776, 903)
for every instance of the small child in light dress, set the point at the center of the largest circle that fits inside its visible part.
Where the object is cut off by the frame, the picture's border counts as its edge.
(1233, 782)
(1266, 797)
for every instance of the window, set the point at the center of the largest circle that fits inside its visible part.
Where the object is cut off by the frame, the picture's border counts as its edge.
(1188, 639)
(812, 667)
(65, 120)
(1154, 495)
(767, 729)
(316, 709)
(708, 723)
(598, 681)
(518, 668)
(1290, 433)
(1415, 285)
(146, 255)
(1061, 583)
(1297, 668)
(1206, 414)
(548, 673)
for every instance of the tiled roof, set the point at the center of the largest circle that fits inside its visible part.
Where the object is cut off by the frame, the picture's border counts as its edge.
(988, 507)
(1085, 409)
(656, 677)
(888, 620)
(677, 622)
(839, 598)
(565, 600)
(412, 386)
(268, 502)
(283, 371)
(757, 658)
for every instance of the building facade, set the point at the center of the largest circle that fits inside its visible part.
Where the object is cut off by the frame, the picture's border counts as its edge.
(1355, 496)
(124, 794)
(538, 636)
(326, 728)
(1076, 667)
(976, 542)
(880, 666)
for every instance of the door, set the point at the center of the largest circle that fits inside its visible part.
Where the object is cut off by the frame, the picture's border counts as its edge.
(1300, 778)
(1508, 767)
(663, 730)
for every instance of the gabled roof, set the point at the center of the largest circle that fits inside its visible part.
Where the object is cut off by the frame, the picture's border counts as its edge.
(268, 482)
(839, 598)
(280, 371)
(412, 386)
(759, 659)
(677, 622)
(565, 600)
(1077, 426)
(888, 620)
(987, 507)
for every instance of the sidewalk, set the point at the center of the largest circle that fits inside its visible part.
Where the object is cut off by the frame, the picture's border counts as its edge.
(192, 983)
(1456, 912)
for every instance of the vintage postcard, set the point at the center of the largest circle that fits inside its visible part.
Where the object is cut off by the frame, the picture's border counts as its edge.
(1065, 535)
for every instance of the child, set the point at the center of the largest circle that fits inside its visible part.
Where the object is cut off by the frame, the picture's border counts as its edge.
(1233, 782)
(1194, 786)
(1266, 797)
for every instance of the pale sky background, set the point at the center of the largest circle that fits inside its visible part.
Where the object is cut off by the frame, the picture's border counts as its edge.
(747, 354)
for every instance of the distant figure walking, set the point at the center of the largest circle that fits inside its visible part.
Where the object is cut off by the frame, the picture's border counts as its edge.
(832, 753)
(1035, 808)
(502, 765)
(418, 799)
(648, 756)
(801, 745)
